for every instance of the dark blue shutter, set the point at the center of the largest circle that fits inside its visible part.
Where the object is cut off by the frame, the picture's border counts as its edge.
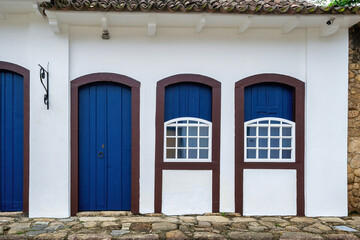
(11, 141)
(268, 100)
(104, 147)
(188, 100)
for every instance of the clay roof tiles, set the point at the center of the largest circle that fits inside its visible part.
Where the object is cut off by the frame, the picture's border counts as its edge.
(218, 6)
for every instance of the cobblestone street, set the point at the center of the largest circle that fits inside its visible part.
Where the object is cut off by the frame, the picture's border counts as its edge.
(119, 225)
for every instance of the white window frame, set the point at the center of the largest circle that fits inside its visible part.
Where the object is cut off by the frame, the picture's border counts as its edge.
(200, 123)
(256, 123)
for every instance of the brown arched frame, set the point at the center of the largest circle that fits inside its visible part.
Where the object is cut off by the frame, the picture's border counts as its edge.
(26, 82)
(135, 133)
(160, 165)
(299, 113)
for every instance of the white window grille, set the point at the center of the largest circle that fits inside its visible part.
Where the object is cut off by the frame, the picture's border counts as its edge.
(269, 139)
(187, 140)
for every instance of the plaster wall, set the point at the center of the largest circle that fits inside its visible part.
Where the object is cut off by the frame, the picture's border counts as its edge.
(218, 53)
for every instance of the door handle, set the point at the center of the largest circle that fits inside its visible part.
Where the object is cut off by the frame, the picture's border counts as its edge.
(100, 155)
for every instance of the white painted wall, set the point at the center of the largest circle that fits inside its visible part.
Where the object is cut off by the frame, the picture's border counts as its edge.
(27, 41)
(218, 53)
(326, 124)
(186, 192)
(269, 192)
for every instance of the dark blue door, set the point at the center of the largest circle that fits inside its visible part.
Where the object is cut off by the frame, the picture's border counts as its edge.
(11, 141)
(188, 100)
(104, 147)
(268, 100)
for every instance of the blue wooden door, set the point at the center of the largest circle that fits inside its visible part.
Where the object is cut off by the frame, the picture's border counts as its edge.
(268, 100)
(188, 100)
(11, 141)
(104, 147)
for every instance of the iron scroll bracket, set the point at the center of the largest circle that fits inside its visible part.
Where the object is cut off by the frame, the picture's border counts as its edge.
(45, 74)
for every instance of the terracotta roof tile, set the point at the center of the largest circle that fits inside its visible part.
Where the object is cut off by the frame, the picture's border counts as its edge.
(220, 6)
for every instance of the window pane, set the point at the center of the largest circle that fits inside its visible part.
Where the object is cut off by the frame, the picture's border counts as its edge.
(251, 131)
(251, 153)
(275, 122)
(204, 131)
(192, 142)
(263, 131)
(204, 142)
(170, 131)
(181, 153)
(191, 121)
(170, 153)
(274, 153)
(203, 153)
(264, 122)
(193, 131)
(181, 142)
(182, 121)
(263, 142)
(286, 154)
(286, 131)
(192, 153)
(170, 142)
(251, 142)
(263, 153)
(274, 142)
(181, 131)
(286, 142)
(275, 131)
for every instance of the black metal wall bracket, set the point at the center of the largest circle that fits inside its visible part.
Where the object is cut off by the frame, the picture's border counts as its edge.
(45, 74)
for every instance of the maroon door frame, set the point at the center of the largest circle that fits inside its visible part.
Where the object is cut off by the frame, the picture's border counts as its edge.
(26, 78)
(299, 113)
(135, 133)
(160, 165)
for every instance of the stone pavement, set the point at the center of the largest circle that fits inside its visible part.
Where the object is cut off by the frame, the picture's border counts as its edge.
(121, 225)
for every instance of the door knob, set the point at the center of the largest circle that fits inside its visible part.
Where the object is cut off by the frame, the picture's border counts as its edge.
(100, 155)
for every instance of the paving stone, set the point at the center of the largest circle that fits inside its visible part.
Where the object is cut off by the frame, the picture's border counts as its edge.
(19, 225)
(292, 229)
(140, 236)
(257, 228)
(303, 220)
(176, 234)
(250, 235)
(299, 235)
(213, 219)
(141, 219)
(141, 227)
(165, 226)
(244, 219)
(331, 220)
(71, 219)
(1, 230)
(322, 227)
(204, 224)
(104, 214)
(89, 237)
(119, 232)
(34, 233)
(110, 225)
(11, 214)
(50, 236)
(239, 226)
(208, 235)
(188, 219)
(312, 230)
(44, 219)
(273, 219)
(342, 236)
(125, 226)
(89, 224)
(13, 237)
(97, 219)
